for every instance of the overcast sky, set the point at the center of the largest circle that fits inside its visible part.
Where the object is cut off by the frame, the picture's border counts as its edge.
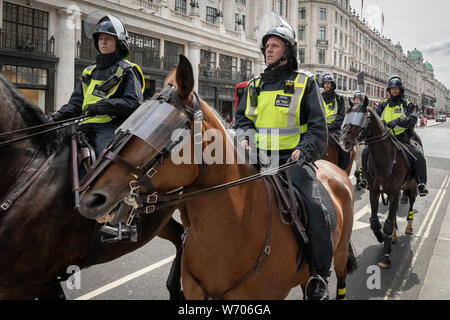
(424, 25)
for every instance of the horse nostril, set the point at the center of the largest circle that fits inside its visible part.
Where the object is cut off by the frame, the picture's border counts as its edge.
(96, 200)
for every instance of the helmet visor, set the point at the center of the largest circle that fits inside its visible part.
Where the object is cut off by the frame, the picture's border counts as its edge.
(155, 122)
(93, 19)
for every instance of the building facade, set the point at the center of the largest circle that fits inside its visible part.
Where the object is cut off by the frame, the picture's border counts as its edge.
(43, 47)
(333, 38)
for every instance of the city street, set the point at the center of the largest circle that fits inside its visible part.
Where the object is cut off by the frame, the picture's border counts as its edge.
(142, 274)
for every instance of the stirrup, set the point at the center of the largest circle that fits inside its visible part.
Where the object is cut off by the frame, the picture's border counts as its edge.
(422, 189)
(121, 232)
(316, 277)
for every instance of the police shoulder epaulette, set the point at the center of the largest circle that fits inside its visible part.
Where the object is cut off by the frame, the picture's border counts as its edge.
(124, 64)
(309, 74)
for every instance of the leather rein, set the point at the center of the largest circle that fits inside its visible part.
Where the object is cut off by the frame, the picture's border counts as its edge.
(8, 203)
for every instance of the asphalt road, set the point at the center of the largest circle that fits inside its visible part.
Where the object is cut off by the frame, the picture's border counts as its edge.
(142, 274)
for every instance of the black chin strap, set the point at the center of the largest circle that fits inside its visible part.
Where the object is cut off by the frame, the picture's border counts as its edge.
(278, 62)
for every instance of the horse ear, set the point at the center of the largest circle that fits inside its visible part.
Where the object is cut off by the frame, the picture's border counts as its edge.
(366, 103)
(351, 103)
(185, 77)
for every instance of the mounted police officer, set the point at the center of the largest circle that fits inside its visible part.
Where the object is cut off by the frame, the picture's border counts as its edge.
(401, 116)
(283, 108)
(335, 113)
(109, 90)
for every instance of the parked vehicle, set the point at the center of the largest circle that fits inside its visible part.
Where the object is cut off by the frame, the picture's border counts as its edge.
(441, 118)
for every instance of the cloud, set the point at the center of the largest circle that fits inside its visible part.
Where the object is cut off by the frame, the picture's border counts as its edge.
(442, 47)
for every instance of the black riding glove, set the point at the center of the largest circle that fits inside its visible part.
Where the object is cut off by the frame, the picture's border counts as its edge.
(91, 110)
(55, 117)
(393, 123)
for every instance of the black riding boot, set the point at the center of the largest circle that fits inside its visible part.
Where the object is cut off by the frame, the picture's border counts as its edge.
(420, 168)
(320, 250)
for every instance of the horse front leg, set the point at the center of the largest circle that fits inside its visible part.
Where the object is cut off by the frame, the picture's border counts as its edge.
(375, 224)
(412, 199)
(389, 230)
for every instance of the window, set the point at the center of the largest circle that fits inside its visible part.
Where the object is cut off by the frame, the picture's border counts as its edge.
(211, 14)
(24, 28)
(207, 63)
(239, 21)
(228, 66)
(172, 52)
(322, 33)
(321, 56)
(301, 55)
(241, 2)
(322, 14)
(246, 69)
(302, 13)
(144, 50)
(301, 33)
(279, 7)
(180, 6)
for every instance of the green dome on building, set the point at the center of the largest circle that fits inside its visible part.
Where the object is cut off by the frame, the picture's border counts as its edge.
(415, 54)
(429, 66)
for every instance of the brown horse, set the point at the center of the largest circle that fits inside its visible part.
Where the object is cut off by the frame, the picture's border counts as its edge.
(388, 171)
(228, 231)
(332, 153)
(41, 234)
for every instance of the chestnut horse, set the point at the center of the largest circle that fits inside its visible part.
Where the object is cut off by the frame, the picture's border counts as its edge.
(387, 172)
(228, 230)
(41, 234)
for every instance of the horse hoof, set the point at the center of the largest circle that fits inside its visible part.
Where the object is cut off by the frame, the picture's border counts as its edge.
(409, 231)
(385, 262)
(383, 265)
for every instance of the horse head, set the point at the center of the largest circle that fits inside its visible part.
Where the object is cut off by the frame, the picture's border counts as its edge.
(172, 122)
(354, 125)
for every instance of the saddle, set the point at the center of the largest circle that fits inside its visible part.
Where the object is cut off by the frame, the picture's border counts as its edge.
(293, 212)
(406, 149)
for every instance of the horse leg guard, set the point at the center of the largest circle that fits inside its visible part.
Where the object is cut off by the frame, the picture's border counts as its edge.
(375, 226)
(341, 293)
(385, 260)
(409, 228)
(388, 228)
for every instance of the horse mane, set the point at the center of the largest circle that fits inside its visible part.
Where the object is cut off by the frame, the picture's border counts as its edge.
(31, 115)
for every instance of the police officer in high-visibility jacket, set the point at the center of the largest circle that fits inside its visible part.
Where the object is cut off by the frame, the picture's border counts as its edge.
(111, 89)
(335, 113)
(400, 115)
(284, 109)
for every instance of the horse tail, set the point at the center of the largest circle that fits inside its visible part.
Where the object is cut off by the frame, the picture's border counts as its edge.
(351, 261)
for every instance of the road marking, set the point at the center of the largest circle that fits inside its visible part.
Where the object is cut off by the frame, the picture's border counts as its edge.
(444, 239)
(427, 233)
(121, 281)
(437, 199)
(424, 223)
